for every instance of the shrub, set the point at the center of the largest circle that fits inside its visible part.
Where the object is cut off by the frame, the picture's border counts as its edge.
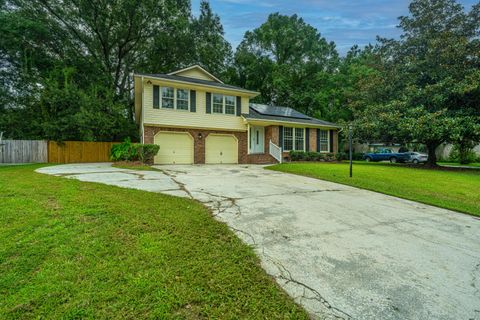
(357, 156)
(465, 156)
(296, 155)
(124, 151)
(341, 156)
(147, 152)
(128, 151)
(311, 156)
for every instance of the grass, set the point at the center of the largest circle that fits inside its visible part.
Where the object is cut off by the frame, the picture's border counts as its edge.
(456, 190)
(78, 250)
(456, 164)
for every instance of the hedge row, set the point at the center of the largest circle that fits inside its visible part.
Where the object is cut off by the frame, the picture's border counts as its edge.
(317, 156)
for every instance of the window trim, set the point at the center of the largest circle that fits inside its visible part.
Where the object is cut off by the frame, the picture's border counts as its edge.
(328, 142)
(224, 104)
(293, 138)
(188, 99)
(174, 99)
(161, 98)
(213, 103)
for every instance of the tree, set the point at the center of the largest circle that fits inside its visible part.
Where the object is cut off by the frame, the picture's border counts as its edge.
(212, 50)
(432, 72)
(355, 84)
(289, 62)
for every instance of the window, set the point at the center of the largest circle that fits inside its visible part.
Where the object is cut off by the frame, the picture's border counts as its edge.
(287, 138)
(323, 139)
(299, 138)
(293, 139)
(172, 98)
(182, 99)
(168, 98)
(229, 105)
(223, 104)
(217, 103)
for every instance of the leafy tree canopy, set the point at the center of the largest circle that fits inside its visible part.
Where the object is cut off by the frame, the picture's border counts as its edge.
(289, 62)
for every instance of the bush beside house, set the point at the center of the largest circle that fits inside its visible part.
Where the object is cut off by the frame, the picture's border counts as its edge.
(323, 157)
(134, 152)
(311, 156)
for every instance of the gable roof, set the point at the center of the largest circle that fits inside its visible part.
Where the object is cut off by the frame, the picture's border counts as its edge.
(283, 114)
(201, 82)
(199, 68)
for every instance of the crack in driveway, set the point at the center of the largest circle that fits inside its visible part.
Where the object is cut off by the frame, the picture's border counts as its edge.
(287, 277)
(181, 186)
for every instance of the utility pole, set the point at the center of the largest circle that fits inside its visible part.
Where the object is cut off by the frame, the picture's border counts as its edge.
(350, 146)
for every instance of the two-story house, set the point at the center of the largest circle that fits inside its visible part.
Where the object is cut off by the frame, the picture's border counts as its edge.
(196, 118)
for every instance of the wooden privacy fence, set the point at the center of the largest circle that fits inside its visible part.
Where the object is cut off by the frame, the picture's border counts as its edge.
(23, 151)
(79, 151)
(41, 151)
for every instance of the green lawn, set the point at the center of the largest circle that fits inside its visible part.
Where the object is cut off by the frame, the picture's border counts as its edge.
(456, 190)
(456, 164)
(77, 250)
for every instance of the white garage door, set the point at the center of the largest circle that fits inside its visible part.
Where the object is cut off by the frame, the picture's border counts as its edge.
(221, 149)
(175, 148)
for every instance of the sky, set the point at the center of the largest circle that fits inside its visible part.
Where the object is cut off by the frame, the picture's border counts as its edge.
(346, 22)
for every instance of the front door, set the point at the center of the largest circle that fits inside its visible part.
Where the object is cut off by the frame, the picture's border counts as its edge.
(257, 144)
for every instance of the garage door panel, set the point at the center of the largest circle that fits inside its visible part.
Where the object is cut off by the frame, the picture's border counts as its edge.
(221, 149)
(175, 148)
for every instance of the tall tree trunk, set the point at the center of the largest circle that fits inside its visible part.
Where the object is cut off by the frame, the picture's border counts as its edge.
(432, 156)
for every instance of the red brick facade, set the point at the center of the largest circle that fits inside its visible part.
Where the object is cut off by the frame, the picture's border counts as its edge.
(199, 136)
(271, 133)
(313, 140)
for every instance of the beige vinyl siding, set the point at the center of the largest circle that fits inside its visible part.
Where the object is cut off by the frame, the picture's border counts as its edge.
(198, 119)
(195, 73)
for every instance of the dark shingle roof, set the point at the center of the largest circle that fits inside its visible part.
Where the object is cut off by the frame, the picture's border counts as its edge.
(193, 80)
(273, 113)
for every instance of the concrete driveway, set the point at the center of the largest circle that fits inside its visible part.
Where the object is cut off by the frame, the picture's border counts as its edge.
(341, 252)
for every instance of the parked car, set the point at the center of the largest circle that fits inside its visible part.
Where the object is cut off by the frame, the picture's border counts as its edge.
(386, 155)
(416, 157)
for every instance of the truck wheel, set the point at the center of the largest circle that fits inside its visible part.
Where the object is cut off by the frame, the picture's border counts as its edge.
(368, 159)
(393, 160)
(415, 161)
